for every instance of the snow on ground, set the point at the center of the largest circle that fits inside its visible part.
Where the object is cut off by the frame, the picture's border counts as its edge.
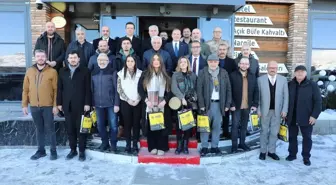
(240, 169)
(328, 114)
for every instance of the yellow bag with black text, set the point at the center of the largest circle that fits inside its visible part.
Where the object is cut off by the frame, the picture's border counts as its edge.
(186, 119)
(203, 123)
(93, 115)
(254, 121)
(156, 121)
(86, 124)
(283, 131)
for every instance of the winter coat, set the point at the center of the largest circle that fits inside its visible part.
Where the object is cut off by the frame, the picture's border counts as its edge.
(104, 88)
(75, 90)
(229, 65)
(205, 88)
(75, 46)
(307, 97)
(236, 79)
(58, 49)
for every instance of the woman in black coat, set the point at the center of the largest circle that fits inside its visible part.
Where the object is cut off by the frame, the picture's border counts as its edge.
(154, 89)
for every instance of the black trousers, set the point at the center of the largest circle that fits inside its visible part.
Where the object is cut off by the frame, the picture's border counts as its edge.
(307, 143)
(240, 118)
(157, 140)
(131, 118)
(73, 122)
(225, 124)
(180, 134)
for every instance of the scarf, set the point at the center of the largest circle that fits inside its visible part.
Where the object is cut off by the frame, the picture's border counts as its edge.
(72, 69)
(156, 89)
(131, 51)
(214, 75)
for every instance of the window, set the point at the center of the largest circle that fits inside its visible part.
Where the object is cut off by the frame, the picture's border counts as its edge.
(117, 25)
(13, 49)
(323, 41)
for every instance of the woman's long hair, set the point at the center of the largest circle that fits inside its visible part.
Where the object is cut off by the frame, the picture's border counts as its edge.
(178, 69)
(151, 71)
(126, 68)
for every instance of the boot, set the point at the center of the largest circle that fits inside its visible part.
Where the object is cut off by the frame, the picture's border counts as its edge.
(103, 147)
(71, 155)
(128, 146)
(38, 155)
(113, 147)
(81, 156)
(179, 147)
(135, 147)
(53, 155)
(185, 146)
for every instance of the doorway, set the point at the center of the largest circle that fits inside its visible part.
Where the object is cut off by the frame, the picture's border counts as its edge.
(166, 24)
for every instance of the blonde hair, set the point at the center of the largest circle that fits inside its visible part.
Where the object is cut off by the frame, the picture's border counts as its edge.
(178, 69)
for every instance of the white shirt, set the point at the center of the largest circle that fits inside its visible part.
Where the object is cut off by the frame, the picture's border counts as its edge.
(130, 37)
(270, 79)
(214, 95)
(178, 45)
(197, 64)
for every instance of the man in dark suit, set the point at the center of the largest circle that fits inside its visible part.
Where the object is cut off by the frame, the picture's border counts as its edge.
(74, 98)
(176, 48)
(135, 41)
(229, 65)
(197, 62)
(106, 36)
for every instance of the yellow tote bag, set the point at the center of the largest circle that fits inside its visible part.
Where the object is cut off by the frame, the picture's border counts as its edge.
(186, 119)
(203, 123)
(86, 124)
(156, 121)
(283, 132)
(255, 120)
(93, 115)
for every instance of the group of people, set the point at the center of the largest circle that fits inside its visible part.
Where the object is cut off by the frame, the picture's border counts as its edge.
(124, 80)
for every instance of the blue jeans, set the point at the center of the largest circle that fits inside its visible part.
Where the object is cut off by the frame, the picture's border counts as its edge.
(101, 122)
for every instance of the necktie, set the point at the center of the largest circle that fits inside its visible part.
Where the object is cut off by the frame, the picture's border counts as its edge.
(176, 49)
(194, 65)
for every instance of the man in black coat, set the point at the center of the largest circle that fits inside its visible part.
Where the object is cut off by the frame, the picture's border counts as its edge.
(254, 63)
(74, 98)
(245, 97)
(135, 41)
(176, 48)
(305, 105)
(229, 65)
(106, 36)
(54, 46)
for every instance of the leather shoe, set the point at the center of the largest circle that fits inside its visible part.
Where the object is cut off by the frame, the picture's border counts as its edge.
(262, 156)
(71, 155)
(306, 162)
(273, 156)
(290, 158)
(244, 147)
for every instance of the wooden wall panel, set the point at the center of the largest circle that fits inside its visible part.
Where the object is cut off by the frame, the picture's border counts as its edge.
(271, 48)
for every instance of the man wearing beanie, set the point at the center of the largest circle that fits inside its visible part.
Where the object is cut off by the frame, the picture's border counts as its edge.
(305, 105)
(214, 99)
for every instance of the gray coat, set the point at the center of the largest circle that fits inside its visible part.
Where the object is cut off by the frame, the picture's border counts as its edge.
(205, 87)
(178, 85)
(281, 95)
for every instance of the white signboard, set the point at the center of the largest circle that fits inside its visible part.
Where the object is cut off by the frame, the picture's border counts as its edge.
(59, 21)
(281, 68)
(238, 43)
(236, 53)
(261, 20)
(247, 9)
(260, 32)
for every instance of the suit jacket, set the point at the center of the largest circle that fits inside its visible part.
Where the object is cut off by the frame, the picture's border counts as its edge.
(111, 43)
(201, 65)
(281, 95)
(136, 45)
(183, 51)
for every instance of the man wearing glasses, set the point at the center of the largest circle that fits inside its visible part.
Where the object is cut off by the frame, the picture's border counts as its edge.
(197, 61)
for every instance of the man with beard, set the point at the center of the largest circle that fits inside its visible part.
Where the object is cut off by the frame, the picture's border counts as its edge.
(126, 49)
(102, 48)
(84, 48)
(186, 36)
(245, 97)
(106, 36)
(53, 45)
(74, 99)
(39, 90)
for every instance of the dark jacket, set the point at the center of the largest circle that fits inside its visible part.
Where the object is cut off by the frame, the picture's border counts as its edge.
(88, 52)
(120, 62)
(167, 114)
(236, 79)
(202, 62)
(111, 43)
(75, 90)
(182, 51)
(254, 64)
(58, 49)
(229, 64)
(136, 45)
(104, 88)
(179, 84)
(205, 88)
(165, 57)
(93, 63)
(307, 97)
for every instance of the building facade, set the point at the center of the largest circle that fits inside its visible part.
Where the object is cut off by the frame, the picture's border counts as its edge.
(292, 32)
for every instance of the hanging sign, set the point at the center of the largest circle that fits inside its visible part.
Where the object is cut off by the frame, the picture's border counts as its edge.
(260, 32)
(247, 9)
(258, 20)
(59, 21)
(281, 68)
